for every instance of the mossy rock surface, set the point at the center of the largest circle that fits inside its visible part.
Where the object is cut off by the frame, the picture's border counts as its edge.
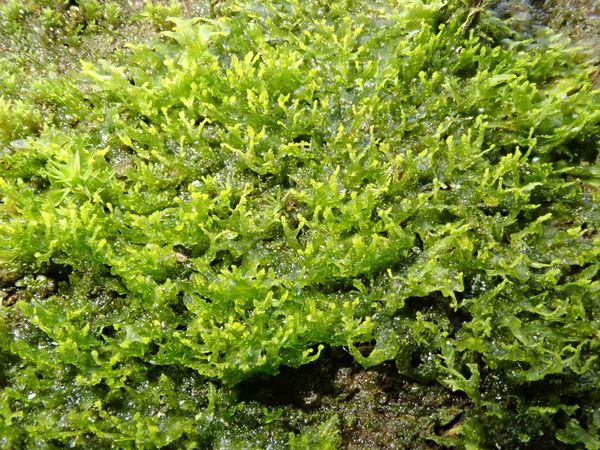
(295, 224)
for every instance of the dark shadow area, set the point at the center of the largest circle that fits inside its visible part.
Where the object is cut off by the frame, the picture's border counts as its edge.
(298, 387)
(378, 408)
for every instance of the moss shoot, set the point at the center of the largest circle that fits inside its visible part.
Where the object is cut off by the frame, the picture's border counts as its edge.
(297, 224)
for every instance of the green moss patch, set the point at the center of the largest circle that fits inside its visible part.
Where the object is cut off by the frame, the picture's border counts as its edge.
(412, 183)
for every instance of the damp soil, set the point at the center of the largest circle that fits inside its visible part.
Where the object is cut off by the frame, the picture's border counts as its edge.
(577, 19)
(377, 407)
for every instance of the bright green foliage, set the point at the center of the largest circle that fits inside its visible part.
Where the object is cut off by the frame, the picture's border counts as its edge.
(238, 193)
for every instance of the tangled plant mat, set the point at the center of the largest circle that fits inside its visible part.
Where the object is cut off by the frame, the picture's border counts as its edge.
(209, 225)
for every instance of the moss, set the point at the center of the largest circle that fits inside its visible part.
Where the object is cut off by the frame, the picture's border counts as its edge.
(197, 225)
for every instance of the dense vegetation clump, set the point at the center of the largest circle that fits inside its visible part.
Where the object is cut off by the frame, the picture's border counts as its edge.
(414, 182)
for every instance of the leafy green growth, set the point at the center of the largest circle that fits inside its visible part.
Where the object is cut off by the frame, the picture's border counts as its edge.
(412, 181)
